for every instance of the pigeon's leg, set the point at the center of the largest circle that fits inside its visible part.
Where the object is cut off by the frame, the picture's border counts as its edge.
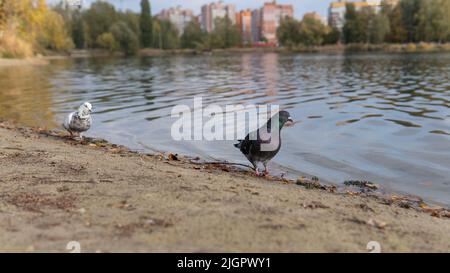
(81, 136)
(266, 169)
(255, 166)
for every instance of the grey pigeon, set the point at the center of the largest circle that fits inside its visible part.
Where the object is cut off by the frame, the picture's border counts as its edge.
(79, 121)
(252, 149)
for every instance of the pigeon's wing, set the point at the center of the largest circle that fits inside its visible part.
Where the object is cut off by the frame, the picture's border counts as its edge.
(249, 146)
(81, 125)
(246, 146)
(254, 150)
(68, 121)
(76, 124)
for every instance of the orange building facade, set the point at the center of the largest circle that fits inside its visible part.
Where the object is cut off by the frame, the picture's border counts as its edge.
(244, 23)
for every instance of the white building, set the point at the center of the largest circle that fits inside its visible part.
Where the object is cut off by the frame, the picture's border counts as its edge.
(177, 16)
(211, 12)
(336, 11)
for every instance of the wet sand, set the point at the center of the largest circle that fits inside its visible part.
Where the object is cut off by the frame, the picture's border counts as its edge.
(55, 190)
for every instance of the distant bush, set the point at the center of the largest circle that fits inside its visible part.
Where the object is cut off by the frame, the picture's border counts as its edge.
(107, 41)
(426, 47)
(444, 47)
(410, 47)
(12, 46)
(355, 47)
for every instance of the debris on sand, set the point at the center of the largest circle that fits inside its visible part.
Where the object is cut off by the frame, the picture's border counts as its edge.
(362, 184)
(435, 212)
(172, 157)
(314, 184)
(417, 203)
(148, 225)
(315, 205)
(376, 223)
(371, 222)
(366, 208)
(36, 202)
(122, 205)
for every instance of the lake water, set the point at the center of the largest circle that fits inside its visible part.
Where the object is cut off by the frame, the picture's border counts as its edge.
(378, 117)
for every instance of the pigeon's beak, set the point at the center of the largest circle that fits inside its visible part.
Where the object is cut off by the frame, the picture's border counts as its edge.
(289, 122)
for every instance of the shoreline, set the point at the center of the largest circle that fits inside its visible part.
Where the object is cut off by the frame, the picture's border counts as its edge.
(326, 49)
(148, 52)
(110, 199)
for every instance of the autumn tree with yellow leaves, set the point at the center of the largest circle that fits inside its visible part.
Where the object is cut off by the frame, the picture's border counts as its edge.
(29, 27)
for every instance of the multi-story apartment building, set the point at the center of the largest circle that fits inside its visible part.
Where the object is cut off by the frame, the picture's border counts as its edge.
(256, 25)
(336, 11)
(178, 16)
(271, 15)
(244, 23)
(216, 10)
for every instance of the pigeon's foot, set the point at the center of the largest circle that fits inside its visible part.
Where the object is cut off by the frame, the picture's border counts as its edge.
(261, 174)
(70, 134)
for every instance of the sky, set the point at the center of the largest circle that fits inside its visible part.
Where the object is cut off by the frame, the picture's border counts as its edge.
(300, 6)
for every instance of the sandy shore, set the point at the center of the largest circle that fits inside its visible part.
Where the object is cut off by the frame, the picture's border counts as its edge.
(20, 62)
(55, 190)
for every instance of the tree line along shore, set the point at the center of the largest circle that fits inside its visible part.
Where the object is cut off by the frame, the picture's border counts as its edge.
(31, 27)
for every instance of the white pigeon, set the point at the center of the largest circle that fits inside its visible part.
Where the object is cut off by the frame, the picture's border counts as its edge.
(79, 121)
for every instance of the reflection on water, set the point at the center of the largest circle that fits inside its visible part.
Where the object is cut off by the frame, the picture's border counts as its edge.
(383, 118)
(25, 96)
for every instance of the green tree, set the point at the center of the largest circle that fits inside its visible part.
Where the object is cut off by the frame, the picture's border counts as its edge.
(312, 32)
(78, 31)
(433, 23)
(288, 33)
(146, 24)
(157, 35)
(193, 35)
(409, 11)
(224, 35)
(333, 37)
(165, 35)
(398, 32)
(379, 28)
(171, 37)
(132, 20)
(356, 26)
(127, 40)
(98, 18)
(349, 30)
(443, 22)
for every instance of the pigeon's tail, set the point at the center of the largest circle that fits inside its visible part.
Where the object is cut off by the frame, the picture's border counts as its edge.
(238, 145)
